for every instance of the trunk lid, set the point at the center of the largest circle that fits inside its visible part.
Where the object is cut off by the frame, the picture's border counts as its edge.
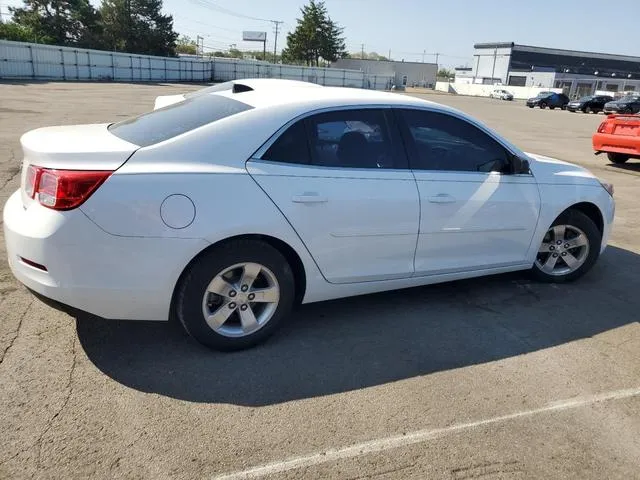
(628, 125)
(73, 147)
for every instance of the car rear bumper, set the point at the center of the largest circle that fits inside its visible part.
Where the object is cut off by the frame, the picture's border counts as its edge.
(606, 142)
(67, 258)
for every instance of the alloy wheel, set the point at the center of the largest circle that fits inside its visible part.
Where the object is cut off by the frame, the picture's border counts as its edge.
(564, 250)
(241, 299)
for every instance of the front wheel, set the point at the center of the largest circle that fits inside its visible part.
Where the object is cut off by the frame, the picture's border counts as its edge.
(617, 158)
(569, 248)
(543, 105)
(235, 296)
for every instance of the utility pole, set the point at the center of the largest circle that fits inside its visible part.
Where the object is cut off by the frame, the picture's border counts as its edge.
(276, 24)
(493, 70)
(437, 55)
(362, 52)
(200, 45)
(389, 57)
(127, 6)
(424, 52)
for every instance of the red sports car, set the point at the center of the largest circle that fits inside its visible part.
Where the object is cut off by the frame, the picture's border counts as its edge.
(619, 137)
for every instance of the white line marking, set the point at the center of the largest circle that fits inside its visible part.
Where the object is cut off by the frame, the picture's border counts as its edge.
(388, 443)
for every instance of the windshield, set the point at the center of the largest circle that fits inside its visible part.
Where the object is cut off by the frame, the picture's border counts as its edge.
(586, 99)
(544, 94)
(629, 98)
(176, 119)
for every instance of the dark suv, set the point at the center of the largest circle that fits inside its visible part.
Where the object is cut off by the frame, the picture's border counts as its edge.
(549, 99)
(626, 104)
(589, 104)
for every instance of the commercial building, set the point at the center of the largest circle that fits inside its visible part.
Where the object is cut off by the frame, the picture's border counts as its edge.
(577, 73)
(407, 74)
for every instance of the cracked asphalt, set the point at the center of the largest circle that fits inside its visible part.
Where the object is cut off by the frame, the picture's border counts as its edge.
(476, 369)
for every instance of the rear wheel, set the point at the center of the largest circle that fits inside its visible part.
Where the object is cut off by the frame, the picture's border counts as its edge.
(235, 296)
(569, 249)
(587, 110)
(617, 157)
(543, 105)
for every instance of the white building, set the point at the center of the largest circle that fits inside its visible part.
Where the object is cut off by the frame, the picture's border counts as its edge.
(577, 73)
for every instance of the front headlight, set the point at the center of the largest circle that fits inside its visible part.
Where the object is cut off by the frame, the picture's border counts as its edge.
(608, 187)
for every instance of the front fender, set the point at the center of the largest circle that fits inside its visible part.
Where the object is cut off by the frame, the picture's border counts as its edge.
(556, 199)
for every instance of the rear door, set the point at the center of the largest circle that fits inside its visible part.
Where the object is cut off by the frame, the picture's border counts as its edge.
(341, 178)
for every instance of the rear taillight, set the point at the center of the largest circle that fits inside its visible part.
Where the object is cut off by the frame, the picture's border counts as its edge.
(62, 189)
(606, 127)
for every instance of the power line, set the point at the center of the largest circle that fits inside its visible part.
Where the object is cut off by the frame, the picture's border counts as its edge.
(212, 6)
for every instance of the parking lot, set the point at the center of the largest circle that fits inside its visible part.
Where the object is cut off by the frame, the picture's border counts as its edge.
(489, 378)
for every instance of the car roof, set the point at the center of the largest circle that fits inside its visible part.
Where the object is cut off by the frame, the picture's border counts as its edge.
(297, 96)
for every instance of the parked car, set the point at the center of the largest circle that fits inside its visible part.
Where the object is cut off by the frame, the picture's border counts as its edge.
(619, 137)
(626, 104)
(226, 209)
(501, 94)
(589, 104)
(549, 99)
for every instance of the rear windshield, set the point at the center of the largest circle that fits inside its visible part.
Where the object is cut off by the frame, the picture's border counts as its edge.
(173, 120)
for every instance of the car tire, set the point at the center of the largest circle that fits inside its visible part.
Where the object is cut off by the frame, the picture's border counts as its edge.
(617, 158)
(530, 106)
(543, 105)
(575, 228)
(588, 110)
(213, 287)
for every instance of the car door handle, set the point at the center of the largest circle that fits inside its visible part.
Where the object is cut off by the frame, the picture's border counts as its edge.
(442, 198)
(309, 198)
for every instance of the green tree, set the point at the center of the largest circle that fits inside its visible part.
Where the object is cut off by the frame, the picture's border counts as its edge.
(186, 45)
(17, 33)
(61, 22)
(316, 37)
(138, 26)
(445, 73)
(367, 56)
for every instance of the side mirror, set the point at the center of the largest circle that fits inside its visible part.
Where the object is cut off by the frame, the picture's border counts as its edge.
(520, 165)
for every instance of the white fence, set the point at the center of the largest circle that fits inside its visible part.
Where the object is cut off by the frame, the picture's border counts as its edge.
(20, 60)
(479, 90)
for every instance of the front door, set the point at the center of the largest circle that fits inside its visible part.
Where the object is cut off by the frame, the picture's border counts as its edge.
(475, 213)
(341, 178)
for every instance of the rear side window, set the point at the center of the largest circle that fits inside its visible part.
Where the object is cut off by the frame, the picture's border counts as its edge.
(355, 139)
(173, 120)
(290, 147)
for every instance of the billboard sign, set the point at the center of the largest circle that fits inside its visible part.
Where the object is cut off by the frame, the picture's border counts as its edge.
(250, 36)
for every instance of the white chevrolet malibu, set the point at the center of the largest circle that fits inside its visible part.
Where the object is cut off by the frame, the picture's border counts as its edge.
(228, 207)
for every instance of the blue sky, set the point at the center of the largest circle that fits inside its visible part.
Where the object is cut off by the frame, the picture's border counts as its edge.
(410, 27)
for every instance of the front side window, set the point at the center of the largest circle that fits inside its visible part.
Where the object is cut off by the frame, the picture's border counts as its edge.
(444, 142)
(355, 139)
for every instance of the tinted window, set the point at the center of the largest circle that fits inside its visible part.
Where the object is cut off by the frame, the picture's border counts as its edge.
(355, 139)
(444, 142)
(290, 147)
(173, 120)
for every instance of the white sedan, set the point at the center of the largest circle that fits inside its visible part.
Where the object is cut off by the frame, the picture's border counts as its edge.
(501, 94)
(229, 207)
